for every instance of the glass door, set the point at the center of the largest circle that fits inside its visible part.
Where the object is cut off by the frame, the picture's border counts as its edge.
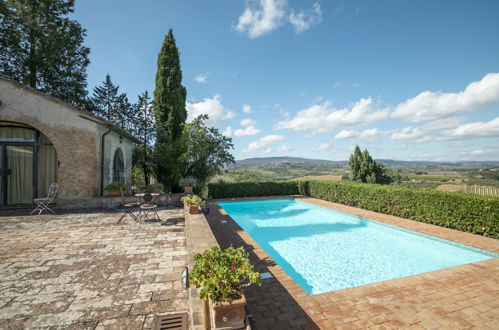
(18, 174)
(3, 173)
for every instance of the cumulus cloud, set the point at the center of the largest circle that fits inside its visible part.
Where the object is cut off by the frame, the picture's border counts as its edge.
(268, 15)
(323, 118)
(264, 143)
(228, 131)
(247, 122)
(247, 131)
(201, 78)
(433, 105)
(323, 147)
(258, 21)
(249, 128)
(472, 130)
(212, 107)
(247, 109)
(371, 134)
(426, 133)
(302, 20)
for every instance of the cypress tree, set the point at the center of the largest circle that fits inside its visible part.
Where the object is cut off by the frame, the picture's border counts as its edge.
(170, 112)
(42, 48)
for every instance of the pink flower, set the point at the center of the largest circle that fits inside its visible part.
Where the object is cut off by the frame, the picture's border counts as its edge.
(233, 267)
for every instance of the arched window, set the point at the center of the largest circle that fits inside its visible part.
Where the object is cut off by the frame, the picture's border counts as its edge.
(118, 167)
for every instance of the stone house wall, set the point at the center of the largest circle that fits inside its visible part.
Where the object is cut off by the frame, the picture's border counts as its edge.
(75, 135)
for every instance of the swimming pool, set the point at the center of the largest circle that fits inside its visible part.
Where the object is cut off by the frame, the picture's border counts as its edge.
(325, 250)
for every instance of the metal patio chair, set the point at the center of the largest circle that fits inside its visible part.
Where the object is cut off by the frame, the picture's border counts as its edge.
(149, 206)
(42, 204)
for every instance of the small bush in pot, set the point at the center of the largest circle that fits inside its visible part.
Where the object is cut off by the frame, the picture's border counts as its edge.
(115, 189)
(195, 203)
(222, 275)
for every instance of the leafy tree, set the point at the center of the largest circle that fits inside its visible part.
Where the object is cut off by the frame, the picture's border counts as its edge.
(208, 151)
(40, 46)
(364, 169)
(144, 129)
(108, 104)
(169, 106)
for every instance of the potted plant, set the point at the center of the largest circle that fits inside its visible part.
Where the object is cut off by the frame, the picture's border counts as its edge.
(222, 275)
(195, 203)
(115, 189)
(188, 183)
(154, 188)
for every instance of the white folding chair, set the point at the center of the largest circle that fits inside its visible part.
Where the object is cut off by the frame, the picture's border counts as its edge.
(42, 204)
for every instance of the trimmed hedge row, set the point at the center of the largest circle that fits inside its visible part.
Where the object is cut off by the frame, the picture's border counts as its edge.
(466, 212)
(252, 189)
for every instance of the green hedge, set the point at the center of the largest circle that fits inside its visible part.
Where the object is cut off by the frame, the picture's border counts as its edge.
(252, 189)
(465, 212)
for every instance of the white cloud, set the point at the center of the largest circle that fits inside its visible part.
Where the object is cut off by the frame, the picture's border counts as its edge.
(247, 122)
(481, 152)
(249, 128)
(267, 151)
(247, 109)
(426, 132)
(336, 84)
(201, 78)
(264, 143)
(305, 20)
(472, 130)
(212, 107)
(323, 147)
(247, 131)
(285, 149)
(371, 134)
(433, 105)
(323, 118)
(228, 131)
(267, 17)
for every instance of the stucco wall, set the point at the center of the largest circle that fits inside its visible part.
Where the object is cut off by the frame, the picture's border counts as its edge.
(112, 143)
(76, 139)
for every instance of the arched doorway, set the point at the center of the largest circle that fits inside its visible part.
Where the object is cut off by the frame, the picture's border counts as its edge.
(118, 167)
(28, 164)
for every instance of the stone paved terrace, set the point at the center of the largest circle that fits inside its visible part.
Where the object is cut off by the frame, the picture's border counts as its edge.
(460, 297)
(84, 271)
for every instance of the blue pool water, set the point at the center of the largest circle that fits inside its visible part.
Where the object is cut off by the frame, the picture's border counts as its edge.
(325, 250)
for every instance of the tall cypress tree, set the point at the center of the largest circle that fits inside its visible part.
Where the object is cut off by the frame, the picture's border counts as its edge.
(112, 106)
(169, 107)
(40, 46)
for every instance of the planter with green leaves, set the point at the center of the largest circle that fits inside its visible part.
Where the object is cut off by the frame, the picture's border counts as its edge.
(154, 188)
(195, 203)
(115, 189)
(188, 183)
(222, 275)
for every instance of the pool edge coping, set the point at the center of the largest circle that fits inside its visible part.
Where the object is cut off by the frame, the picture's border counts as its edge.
(297, 292)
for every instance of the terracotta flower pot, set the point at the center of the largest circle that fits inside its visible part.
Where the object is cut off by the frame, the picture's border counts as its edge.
(229, 315)
(194, 209)
(112, 193)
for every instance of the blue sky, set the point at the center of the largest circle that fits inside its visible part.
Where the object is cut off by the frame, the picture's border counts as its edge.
(408, 80)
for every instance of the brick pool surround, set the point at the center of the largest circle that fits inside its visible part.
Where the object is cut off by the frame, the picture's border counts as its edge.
(460, 296)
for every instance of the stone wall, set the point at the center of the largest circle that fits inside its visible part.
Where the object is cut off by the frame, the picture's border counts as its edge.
(75, 135)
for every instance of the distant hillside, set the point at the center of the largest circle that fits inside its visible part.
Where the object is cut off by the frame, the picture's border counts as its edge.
(298, 161)
(274, 161)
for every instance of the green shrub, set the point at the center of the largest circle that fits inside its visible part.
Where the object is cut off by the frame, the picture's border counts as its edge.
(193, 200)
(466, 212)
(252, 189)
(223, 273)
(116, 186)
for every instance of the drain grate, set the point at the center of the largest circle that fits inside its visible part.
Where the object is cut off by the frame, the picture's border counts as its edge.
(171, 322)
